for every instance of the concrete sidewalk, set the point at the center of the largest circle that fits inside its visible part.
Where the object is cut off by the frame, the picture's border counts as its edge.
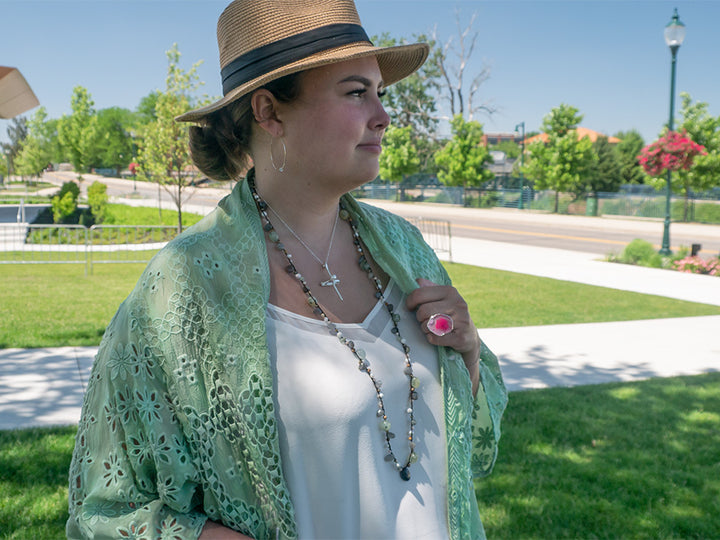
(45, 386)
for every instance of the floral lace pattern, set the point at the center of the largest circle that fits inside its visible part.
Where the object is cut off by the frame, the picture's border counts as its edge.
(178, 423)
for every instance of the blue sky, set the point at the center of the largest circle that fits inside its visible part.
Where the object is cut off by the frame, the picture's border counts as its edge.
(607, 58)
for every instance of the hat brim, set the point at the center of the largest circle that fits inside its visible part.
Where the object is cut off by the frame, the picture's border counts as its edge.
(395, 64)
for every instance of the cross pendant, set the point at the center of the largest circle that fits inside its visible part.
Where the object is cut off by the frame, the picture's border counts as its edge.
(332, 282)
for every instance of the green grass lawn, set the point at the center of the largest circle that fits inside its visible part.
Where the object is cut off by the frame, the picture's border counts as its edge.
(53, 305)
(500, 299)
(621, 460)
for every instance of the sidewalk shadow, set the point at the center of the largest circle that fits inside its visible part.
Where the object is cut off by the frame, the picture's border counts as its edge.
(537, 368)
(43, 387)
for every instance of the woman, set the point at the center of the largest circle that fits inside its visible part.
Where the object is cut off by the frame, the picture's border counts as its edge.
(297, 364)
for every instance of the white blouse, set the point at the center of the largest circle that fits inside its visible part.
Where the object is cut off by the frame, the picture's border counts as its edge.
(331, 444)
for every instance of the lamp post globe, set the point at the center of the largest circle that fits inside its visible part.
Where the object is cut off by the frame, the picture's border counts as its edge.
(674, 37)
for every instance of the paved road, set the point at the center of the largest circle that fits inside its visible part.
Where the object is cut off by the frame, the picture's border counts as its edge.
(600, 235)
(576, 233)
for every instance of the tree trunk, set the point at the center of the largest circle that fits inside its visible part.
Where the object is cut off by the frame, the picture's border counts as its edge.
(178, 202)
(557, 202)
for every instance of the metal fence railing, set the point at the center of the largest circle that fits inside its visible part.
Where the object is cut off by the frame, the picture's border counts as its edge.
(36, 244)
(437, 233)
(21, 243)
(646, 202)
(126, 243)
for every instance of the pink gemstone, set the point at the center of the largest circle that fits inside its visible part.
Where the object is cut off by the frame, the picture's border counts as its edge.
(440, 324)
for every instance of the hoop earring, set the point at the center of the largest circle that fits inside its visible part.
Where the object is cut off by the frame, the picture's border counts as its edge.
(281, 168)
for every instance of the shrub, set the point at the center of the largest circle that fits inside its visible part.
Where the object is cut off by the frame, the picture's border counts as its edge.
(63, 207)
(98, 199)
(641, 252)
(698, 265)
(69, 187)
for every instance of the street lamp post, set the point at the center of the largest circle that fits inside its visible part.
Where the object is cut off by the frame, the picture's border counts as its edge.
(674, 36)
(522, 163)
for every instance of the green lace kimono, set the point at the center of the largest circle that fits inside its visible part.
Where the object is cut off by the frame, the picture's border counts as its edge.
(178, 422)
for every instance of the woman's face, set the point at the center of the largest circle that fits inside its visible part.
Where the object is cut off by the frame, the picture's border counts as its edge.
(334, 129)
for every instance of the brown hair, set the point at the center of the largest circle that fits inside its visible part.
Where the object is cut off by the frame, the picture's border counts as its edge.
(220, 146)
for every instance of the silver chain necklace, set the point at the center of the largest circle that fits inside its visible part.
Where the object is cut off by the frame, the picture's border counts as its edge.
(403, 468)
(333, 280)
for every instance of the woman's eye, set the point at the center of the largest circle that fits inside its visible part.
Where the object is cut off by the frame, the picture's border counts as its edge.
(358, 91)
(382, 93)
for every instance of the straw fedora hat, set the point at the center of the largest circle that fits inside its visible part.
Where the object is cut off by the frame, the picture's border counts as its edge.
(263, 40)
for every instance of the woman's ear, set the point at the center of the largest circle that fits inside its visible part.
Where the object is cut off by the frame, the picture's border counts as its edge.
(264, 107)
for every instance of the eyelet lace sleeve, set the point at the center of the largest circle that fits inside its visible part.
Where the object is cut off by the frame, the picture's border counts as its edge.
(132, 475)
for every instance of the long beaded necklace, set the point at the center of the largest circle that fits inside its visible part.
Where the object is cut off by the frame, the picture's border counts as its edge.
(358, 353)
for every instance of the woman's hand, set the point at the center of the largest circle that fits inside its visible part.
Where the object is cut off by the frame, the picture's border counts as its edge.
(215, 531)
(431, 298)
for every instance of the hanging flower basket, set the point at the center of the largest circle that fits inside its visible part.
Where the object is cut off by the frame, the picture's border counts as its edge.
(672, 152)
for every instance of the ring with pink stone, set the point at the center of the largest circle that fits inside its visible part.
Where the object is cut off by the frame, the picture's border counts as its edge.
(440, 324)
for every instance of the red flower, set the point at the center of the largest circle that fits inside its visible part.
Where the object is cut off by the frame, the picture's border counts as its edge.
(672, 152)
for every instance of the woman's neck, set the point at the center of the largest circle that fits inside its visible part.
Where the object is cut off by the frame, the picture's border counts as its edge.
(298, 203)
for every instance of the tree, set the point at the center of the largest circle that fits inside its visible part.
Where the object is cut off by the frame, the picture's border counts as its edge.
(77, 131)
(603, 174)
(411, 101)
(399, 158)
(34, 154)
(113, 144)
(704, 130)
(463, 159)
(462, 98)
(163, 153)
(626, 152)
(145, 111)
(16, 133)
(560, 163)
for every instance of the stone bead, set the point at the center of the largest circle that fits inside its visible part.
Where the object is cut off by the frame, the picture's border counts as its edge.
(413, 457)
(415, 382)
(405, 473)
(385, 425)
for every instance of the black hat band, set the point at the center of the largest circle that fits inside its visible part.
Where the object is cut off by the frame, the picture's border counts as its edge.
(280, 53)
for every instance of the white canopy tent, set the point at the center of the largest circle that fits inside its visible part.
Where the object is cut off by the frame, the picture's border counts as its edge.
(16, 96)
